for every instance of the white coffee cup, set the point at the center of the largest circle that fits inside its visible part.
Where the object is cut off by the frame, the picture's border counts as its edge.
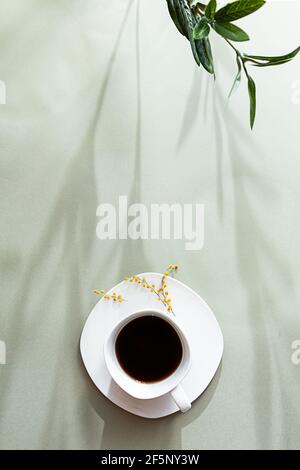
(142, 390)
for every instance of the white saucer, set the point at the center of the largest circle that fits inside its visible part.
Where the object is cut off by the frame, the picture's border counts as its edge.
(194, 317)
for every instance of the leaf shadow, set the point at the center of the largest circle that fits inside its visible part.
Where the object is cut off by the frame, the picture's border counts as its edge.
(252, 236)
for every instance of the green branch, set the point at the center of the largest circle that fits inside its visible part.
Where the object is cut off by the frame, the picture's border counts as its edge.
(195, 20)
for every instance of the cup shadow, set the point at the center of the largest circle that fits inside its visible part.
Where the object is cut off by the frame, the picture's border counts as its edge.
(123, 430)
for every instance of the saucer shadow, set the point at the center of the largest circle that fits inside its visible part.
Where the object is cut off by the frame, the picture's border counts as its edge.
(123, 430)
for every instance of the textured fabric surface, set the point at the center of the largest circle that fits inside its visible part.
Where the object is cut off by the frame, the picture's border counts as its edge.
(103, 99)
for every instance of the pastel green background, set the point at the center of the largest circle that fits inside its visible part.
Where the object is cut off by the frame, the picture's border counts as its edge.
(104, 99)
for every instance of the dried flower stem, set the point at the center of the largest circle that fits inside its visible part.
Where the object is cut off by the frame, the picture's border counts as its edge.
(114, 296)
(161, 291)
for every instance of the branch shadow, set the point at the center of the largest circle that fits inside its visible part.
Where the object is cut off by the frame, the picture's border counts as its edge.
(255, 246)
(72, 220)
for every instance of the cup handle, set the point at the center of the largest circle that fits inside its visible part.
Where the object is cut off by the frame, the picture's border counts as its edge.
(180, 398)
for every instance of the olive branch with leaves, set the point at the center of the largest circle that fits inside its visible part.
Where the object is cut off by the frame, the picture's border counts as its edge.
(194, 20)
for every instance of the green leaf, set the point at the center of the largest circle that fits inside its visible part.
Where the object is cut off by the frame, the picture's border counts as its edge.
(205, 54)
(179, 11)
(174, 15)
(280, 58)
(210, 10)
(200, 47)
(252, 97)
(201, 29)
(189, 23)
(236, 10)
(238, 77)
(230, 31)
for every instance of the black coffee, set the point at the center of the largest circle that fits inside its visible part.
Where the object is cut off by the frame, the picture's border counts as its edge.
(148, 349)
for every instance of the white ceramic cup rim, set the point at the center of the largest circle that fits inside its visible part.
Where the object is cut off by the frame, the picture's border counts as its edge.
(139, 389)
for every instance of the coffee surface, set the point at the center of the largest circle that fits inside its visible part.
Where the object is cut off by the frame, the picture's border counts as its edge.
(148, 349)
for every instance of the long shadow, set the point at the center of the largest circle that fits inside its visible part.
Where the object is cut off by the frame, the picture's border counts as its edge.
(123, 430)
(73, 215)
(131, 252)
(133, 256)
(231, 139)
(191, 108)
(219, 145)
(253, 244)
(73, 279)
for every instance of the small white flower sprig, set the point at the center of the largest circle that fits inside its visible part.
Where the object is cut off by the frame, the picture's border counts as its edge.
(160, 291)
